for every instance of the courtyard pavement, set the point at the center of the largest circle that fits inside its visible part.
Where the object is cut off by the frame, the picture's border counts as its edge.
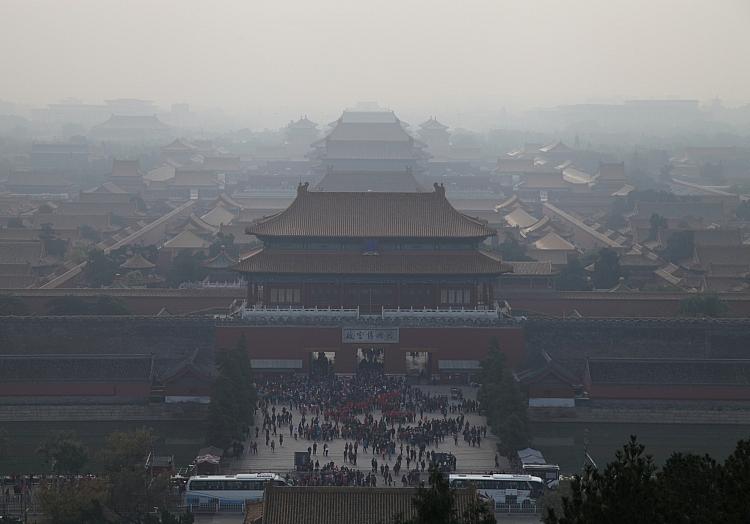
(468, 459)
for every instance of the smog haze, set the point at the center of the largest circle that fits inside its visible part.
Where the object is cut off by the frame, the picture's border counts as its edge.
(278, 59)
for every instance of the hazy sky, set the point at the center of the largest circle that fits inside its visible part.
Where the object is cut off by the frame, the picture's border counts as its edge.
(284, 57)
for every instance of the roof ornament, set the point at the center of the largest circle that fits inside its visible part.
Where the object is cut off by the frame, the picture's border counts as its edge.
(302, 188)
(439, 189)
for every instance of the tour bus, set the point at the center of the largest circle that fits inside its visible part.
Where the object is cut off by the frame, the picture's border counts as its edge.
(549, 473)
(225, 490)
(503, 489)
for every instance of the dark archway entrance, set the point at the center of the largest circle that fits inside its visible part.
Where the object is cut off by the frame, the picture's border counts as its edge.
(322, 363)
(370, 359)
(418, 366)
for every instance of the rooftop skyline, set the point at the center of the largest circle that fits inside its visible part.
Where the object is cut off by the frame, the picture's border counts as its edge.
(292, 57)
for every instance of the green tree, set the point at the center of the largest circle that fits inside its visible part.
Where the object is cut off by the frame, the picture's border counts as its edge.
(233, 397)
(53, 245)
(186, 267)
(437, 504)
(689, 489)
(4, 443)
(679, 246)
(63, 453)
(502, 401)
(74, 503)
(109, 305)
(656, 224)
(89, 233)
(607, 270)
(703, 305)
(573, 277)
(68, 305)
(735, 484)
(511, 249)
(100, 269)
(12, 305)
(624, 493)
(133, 493)
(225, 242)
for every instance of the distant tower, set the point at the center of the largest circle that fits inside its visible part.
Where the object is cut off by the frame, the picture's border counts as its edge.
(299, 136)
(436, 136)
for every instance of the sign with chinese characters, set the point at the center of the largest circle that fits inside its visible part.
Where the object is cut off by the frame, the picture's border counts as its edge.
(373, 336)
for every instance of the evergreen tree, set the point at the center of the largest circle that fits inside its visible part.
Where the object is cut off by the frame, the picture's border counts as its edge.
(11, 305)
(703, 305)
(233, 397)
(573, 277)
(63, 453)
(624, 493)
(606, 269)
(502, 401)
(690, 489)
(679, 246)
(437, 505)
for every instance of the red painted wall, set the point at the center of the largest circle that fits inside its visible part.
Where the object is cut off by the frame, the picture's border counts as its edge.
(669, 392)
(460, 343)
(70, 389)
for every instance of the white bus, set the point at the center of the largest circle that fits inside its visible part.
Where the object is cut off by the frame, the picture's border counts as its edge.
(503, 489)
(549, 473)
(210, 490)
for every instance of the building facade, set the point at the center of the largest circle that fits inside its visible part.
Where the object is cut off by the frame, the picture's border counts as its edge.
(352, 279)
(370, 252)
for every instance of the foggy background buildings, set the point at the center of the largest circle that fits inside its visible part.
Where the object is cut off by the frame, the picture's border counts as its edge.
(483, 64)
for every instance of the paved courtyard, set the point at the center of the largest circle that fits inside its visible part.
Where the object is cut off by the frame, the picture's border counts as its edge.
(468, 459)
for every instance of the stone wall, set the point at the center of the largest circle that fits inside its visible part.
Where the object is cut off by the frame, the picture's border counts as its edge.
(571, 341)
(170, 340)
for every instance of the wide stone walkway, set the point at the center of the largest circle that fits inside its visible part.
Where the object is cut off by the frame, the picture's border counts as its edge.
(468, 459)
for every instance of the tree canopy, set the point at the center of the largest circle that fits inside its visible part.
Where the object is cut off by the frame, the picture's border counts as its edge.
(225, 242)
(186, 267)
(10, 305)
(124, 493)
(679, 246)
(607, 270)
(502, 402)
(573, 277)
(101, 269)
(703, 305)
(436, 504)
(511, 249)
(63, 453)
(233, 397)
(53, 245)
(688, 489)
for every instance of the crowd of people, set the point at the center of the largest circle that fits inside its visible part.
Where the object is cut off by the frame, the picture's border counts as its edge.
(399, 427)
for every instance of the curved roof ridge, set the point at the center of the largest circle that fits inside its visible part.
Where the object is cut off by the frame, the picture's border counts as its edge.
(371, 214)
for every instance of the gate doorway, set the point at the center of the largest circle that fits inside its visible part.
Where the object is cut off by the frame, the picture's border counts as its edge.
(418, 366)
(322, 363)
(370, 359)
